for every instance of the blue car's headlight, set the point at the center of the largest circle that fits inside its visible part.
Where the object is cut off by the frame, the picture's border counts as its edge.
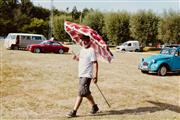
(153, 61)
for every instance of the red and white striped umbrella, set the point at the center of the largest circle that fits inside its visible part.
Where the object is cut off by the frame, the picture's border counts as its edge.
(76, 31)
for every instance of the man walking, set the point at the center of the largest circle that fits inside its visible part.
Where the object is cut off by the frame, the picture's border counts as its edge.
(88, 70)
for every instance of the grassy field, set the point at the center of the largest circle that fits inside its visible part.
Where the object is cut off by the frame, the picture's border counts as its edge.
(44, 86)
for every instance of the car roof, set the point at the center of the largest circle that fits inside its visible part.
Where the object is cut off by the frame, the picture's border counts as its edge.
(52, 41)
(132, 41)
(173, 45)
(25, 34)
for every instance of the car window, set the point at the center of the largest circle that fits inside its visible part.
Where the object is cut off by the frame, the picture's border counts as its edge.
(25, 37)
(45, 43)
(129, 44)
(168, 51)
(177, 53)
(11, 37)
(165, 51)
(36, 38)
(172, 51)
(55, 43)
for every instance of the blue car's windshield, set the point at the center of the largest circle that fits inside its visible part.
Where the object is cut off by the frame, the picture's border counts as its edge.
(168, 51)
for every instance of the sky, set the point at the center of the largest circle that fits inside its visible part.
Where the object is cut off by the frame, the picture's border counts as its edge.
(158, 6)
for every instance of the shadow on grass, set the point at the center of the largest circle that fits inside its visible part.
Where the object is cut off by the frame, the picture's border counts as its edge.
(166, 106)
(168, 74)
(158, 107)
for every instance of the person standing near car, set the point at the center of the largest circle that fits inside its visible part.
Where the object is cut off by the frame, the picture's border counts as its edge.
(88, 70)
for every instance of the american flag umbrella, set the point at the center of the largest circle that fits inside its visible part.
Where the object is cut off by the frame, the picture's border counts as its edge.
(97, 43)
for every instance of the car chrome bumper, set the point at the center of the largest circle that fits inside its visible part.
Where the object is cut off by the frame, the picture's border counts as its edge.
(144, 68)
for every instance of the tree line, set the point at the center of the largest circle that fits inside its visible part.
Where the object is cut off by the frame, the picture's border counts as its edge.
(115, 27)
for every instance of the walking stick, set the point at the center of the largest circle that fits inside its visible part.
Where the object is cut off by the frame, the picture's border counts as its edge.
(102, 95)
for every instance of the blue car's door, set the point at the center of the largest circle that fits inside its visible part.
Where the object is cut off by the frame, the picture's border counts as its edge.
(176, 61)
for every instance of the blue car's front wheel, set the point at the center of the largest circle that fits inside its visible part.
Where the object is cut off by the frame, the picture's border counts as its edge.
(162, 71)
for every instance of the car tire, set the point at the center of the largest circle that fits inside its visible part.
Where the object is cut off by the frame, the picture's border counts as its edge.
(15, 47)
(144, 71)
(137, 50)
(162, 71)
(37, 50)
(61, 51)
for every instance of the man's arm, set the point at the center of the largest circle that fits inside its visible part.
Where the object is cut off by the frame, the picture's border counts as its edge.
(76, 57)
(95, 71)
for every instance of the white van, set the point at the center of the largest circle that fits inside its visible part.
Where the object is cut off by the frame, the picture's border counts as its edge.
(22, 40)
(131, 45)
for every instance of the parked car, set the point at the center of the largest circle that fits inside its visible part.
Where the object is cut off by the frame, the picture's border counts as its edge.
(22, 40)
(170, 45)
(167, 61)
(129, 46)
(48, 46)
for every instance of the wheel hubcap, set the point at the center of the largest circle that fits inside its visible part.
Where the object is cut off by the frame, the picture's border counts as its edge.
(37, 50)
(163, 70)
(60, 51)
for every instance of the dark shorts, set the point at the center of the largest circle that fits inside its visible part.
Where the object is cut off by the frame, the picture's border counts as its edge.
(84, 84)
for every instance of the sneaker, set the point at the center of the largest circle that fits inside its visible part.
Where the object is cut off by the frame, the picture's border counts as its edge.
(94, 109)
(71, 114)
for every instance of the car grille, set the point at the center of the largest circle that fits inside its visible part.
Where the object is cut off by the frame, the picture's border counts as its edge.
(145, 64)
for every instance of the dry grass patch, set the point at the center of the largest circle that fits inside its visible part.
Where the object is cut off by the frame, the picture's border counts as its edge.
(44, 86)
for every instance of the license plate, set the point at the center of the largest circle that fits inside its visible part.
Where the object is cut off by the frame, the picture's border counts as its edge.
(145, 67)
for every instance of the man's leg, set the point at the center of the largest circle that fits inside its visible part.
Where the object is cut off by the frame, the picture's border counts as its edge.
(91, 100)
(94, 106)
(76, 106)
(78, 102)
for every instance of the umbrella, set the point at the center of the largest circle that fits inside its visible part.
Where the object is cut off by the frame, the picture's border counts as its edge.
(76, 31)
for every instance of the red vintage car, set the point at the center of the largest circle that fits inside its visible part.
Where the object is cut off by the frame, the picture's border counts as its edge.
(48, 46)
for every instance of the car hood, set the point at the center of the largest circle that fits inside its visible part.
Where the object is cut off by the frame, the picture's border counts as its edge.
(157, 57)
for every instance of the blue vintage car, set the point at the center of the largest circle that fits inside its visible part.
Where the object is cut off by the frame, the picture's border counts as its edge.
(167, 61)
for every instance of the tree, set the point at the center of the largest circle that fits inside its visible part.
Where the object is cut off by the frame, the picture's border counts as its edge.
(144, 27)
(26, 6)
(9, 10)
(95, 20)
(117, 27)
(84, 12)
(38, 26)
(40, 13)
(75, 13)
(22, 16)
(59, 32)
(169, 27)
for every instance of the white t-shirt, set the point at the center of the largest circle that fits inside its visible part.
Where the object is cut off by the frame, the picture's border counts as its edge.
(86, 57)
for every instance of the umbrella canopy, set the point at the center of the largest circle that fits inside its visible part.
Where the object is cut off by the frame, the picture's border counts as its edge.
(76, 31)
